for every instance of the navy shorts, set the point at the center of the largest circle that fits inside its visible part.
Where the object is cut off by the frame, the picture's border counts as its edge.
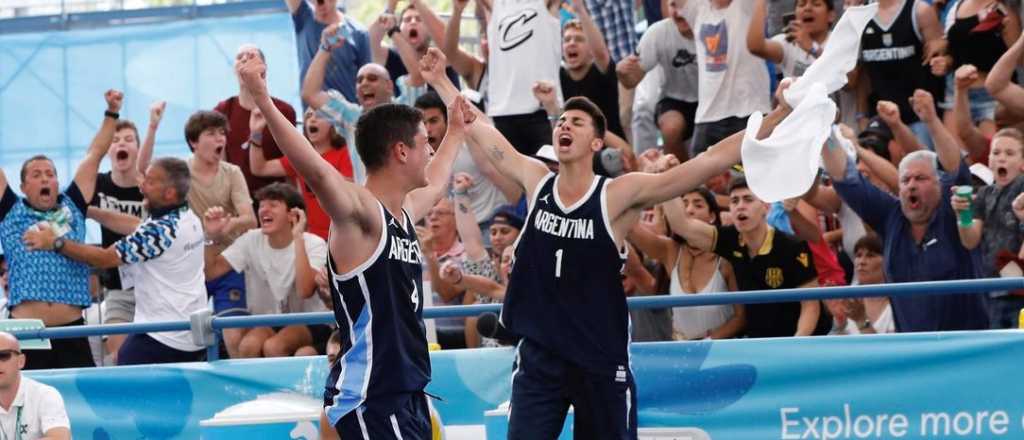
(543, 387)
(139, 349)
(409, 420)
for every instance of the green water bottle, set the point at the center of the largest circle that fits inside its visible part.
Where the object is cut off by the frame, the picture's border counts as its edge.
(967, 215)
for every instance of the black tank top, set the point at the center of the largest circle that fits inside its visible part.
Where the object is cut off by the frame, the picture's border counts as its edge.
(974, 42)
(892, 57)
(379, 310)
(565, 291)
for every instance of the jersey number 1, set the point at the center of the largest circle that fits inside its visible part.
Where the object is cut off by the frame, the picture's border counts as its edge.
(558, 263)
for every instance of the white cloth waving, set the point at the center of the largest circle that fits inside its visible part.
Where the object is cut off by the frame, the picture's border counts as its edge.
(785, 164)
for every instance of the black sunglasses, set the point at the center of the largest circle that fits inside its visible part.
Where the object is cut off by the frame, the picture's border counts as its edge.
(5, 355)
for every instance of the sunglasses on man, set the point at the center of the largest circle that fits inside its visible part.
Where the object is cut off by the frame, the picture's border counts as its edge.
(6, 355)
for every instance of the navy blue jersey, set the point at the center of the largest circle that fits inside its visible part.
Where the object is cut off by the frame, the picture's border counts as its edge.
(565, 292)
(379, 311)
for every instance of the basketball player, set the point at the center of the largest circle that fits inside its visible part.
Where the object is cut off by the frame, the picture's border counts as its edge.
(565, 298)
(375, 390)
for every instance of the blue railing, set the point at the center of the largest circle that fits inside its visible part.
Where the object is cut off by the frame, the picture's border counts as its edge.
(209, 325)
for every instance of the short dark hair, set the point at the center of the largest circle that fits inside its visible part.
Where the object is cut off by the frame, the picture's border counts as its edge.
(401, 14)
(282, 192)
(432, 100)
(870, 243)
(736, 183)
(178, 175)
(587, 106)
(123, 124)
(24, 165)
(382, 127)
(200, 121)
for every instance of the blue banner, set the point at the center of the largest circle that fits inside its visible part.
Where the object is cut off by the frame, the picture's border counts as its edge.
(964, 384)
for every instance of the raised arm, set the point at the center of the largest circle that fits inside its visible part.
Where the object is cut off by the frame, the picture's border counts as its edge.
(757, 42)
(698, 234)
(931, 31)
(342, 200)
(507, 186)
(946, 145)
(215, 220)
(156, 114)
(642, 190)
(882, 169)
(258, 164)
(305, 274)
(602, 57)
(409, 58)
(999, 82)
(380, 26)
(889, 112)
(313, 93)
(439, 170)
(465, 220)
(525, 171)
(85, 176)
(468, 66)
(654, 246)
(963, 126)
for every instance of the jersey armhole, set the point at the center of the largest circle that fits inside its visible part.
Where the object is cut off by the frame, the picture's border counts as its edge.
(624, 249)
(530, 206)
(369, 261)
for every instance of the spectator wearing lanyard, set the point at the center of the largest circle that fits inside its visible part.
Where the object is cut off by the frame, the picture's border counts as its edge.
(45, 285)
(28, 409)
(165, 258)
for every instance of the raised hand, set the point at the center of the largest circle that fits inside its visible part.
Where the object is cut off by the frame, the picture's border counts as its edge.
(544, 91)
(460, 116)
(298, 221)
(156, 113)
(665, 163)
(647, 160)
(462, 183)
(924, 105)
(114, 100)
(432, 66)
(252, 74)
(940, 65)
(331, 39)
(889, 112)
(966, 75)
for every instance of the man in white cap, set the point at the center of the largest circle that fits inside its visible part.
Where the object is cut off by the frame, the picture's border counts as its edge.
(28, 409)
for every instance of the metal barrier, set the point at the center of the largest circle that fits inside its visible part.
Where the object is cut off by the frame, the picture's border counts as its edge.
(207, 324)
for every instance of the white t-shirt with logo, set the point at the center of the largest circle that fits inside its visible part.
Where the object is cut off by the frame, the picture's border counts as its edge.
(525, 47)
(795, 60)
(270, 272)
(166, 255)
(663, 45)
(37, 408)
(732, 81)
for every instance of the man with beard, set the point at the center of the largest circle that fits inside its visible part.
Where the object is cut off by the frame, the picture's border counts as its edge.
(45, 285)
(166, 255)
(919, 228)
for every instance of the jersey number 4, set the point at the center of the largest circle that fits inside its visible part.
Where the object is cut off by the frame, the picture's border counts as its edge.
(558, 263)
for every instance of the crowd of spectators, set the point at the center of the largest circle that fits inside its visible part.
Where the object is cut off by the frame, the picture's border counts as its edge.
(921, 181)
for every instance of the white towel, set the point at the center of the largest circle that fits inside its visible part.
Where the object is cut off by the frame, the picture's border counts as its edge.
(785, 164)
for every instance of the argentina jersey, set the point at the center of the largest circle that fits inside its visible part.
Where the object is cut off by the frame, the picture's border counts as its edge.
(565, 291)
(379, 309)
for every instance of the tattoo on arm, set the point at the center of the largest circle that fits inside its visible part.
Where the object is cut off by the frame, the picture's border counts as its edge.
(463, 208)
(497, 153)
